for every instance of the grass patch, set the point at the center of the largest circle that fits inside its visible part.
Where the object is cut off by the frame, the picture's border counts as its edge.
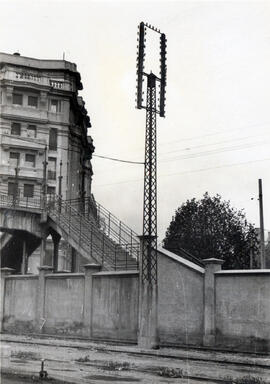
(85, 359)
(171, 372)
(116, 366)
(244, 380)
(26, 355)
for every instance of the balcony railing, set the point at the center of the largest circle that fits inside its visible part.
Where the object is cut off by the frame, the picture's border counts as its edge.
(57, 84)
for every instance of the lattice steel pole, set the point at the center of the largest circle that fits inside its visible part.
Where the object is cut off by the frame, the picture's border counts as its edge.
(148, 325)
(149, 239)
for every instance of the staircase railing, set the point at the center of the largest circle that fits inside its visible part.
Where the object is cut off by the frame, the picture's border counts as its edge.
(106, 221)
(91, 238)
(95, 231)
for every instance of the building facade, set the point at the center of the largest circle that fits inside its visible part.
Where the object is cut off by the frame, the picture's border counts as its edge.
(44, 145)
(42, 118)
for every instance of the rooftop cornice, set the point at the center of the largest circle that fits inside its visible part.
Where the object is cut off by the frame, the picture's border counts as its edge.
(39, 64)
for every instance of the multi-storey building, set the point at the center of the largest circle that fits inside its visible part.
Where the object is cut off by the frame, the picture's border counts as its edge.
(43, 121)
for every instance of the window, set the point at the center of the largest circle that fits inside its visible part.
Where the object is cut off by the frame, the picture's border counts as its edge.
(29, 158)
(11, 189)
(33, 101)
(52, 168)
(14, 155)
(28, 190)
(53, 139)
(17, 98)
(55, 106)
(50, 190)
(31, 131)
(15, 129)
(14, 158)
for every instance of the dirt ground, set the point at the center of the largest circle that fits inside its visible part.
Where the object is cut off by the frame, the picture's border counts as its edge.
(77, 361)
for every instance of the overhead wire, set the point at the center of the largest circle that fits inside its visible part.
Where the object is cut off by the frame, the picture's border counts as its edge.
(120, 160)
(211, 144)
(214, 151)
(78, 151)
(190, 171)
(181, 157)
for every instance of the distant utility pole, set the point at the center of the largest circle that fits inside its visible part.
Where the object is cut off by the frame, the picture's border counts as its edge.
(148, 330)
(262, 248)
(60, 177)
(45, 163)
(16, 184)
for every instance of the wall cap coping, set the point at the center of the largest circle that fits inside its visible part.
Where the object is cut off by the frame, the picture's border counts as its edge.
(115, 273)
(64, 275)
(7, 269)
(92, 266)
(212, 260)
(181, 260)
(22, 277)
(244, 272)
(45, 268)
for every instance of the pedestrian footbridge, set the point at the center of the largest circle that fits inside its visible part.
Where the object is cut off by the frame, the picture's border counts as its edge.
(91, 230)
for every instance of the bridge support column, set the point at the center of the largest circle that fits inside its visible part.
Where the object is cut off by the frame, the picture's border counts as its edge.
(88, 297)
(4, 273)
(56, 241)
(24, 265)
(43, 250)
(40, 320)
(211, 266)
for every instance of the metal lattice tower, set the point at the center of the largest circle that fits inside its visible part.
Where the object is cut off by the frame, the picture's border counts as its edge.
(149, 238)
(149, 244)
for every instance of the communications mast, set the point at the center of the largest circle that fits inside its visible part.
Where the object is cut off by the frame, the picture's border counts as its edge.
(148, 336)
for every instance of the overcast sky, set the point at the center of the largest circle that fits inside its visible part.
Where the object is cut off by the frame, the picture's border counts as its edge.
(216, 134)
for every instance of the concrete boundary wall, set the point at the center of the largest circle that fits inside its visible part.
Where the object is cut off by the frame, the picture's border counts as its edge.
(115, 306)
(101, 305)
(20, 303)
(242, 309)
(196, 306)
(64, 304)
(180, 300)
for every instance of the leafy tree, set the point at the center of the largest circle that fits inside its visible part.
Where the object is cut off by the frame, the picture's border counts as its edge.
(210, 227)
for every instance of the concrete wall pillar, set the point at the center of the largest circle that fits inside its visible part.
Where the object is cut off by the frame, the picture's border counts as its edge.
(4, 273)
(211, 267)
(88, 297)
(148, 306)
(40, 320)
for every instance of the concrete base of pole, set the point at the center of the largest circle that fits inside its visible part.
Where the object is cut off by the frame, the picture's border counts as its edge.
(148, 324)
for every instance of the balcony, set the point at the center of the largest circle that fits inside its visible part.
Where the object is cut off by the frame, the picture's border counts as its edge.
(19, 142)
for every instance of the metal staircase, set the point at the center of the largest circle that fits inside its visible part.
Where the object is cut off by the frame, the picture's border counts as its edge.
(95, 233)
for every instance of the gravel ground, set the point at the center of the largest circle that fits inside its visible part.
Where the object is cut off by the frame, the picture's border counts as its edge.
(76, 361)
